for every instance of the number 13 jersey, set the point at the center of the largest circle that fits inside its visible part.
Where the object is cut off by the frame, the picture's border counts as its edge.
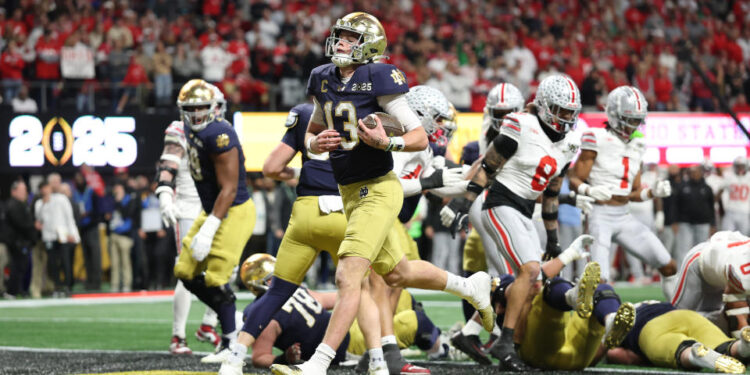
(343, 104)
(537, 159)
(617, 163)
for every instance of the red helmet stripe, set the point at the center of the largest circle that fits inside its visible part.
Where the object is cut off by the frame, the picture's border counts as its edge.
(572, 91)
(637, 97)
(502, 93)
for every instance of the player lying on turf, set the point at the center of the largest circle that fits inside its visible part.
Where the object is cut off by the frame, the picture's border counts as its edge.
(300, 324)
(609, 170)
(714, 280)
(680, 339)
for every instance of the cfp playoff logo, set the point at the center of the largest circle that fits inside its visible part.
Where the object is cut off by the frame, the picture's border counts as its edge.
(90, 140)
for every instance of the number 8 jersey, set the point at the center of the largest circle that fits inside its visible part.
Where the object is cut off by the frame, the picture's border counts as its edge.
(618, 162)
(343, 104)
(537, 159)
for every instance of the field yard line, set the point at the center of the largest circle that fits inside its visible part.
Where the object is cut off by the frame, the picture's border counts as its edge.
(86, 351)
(244, 296)
(89, 320)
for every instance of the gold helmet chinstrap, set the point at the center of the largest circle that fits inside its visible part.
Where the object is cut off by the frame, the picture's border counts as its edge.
(372, 40)
(197, 103)
(256, 271)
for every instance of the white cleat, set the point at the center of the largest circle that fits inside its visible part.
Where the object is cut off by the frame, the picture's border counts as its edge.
(231, 369)
(219, 357)
(707, 358)
(380, 370)
(480, 298)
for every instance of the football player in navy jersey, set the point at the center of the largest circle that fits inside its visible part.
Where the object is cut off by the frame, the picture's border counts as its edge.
(344, 92)
(213, 245)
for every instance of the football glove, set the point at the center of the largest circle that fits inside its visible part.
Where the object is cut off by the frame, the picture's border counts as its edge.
(455, 215)
(600, 193)
(576, 250)
(662, 189)
(167, 208)
(201, 243)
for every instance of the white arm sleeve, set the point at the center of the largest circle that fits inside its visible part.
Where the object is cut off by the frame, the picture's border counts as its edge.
(396, 105)
(317, 114)
(411, 186)
(451, 191)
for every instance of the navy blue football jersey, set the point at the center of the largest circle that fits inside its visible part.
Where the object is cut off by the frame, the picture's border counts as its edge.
(216, 138)
(316, 177)
(470, 153)
(344, 104)
(644, 314)
(304, 320)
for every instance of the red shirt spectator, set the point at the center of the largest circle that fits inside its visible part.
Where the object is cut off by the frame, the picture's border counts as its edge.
(48, 58)
(662, 87)
(11, 63)
(136, 75)
(741, 106)
(212, 7)
(634, 16)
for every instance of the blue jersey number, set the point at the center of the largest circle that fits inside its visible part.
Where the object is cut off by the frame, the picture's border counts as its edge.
(350, 124)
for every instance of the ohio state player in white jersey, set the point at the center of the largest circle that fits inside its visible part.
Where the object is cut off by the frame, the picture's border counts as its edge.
(180, 205)
(736, 187)
(713, 273)
(527, 158)
(613, 177)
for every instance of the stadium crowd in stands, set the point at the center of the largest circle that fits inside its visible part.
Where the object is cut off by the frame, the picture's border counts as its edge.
(261, 52)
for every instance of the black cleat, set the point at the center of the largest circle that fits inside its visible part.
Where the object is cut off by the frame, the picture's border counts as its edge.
(397, 365)
(471, 345)
(509, 359)
(363, 365)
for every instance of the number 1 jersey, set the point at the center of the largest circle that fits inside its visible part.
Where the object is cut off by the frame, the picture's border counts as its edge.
(617, 162)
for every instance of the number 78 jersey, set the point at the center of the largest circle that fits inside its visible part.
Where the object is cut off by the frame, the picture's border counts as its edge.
(537, 159)
(617, 163)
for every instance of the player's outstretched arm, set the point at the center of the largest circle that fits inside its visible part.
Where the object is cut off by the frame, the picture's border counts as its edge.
(275, 166)
(263, 347)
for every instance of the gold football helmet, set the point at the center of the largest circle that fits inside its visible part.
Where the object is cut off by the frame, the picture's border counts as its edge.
(371, 44)
(197, 103)
(256, 271)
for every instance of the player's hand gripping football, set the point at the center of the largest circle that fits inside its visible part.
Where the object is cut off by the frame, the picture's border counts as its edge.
(375, 137)
(201, 244)
(325, 141)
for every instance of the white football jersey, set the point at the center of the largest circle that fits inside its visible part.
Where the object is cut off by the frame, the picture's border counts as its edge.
(187, 200)
(413, 165)
(726, 249)
(618, 163)
(537, 159)
(736, 192)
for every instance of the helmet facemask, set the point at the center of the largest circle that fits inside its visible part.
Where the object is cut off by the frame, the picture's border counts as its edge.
(198, 116)
(560, 119)
(368, 47)
(440, 131)
(627, 125)
(496, 116)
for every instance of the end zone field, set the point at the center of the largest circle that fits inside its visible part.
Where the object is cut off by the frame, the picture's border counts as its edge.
(130, 335)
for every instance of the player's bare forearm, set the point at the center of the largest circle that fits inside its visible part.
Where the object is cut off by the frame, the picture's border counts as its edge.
(484, 169)
(275, 165)
(263, 346)
(552, 268)
(550, 203)
(635, 193)
(582, 169)
(415, 140)
(227, 165)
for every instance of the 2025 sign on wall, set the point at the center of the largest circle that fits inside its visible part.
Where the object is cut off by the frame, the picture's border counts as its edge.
(63, 142)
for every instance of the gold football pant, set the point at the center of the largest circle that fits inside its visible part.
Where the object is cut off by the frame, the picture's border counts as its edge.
(309, 232)
(371, 207)
(226, 248)
(559, 340)
(661, 336)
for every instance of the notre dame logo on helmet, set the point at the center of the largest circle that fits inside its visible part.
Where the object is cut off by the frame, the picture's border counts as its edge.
(363, 192)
